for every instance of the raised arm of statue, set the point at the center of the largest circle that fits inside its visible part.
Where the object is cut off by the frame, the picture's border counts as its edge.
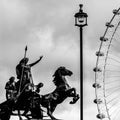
(32, 64)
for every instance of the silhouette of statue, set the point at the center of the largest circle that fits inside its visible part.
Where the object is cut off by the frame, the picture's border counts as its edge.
(23, 71)
(10, 88)
(34, 102)
(62, 91)
(38, 87)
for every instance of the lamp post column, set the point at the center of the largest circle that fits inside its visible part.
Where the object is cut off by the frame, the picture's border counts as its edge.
(81, 70)
(81, 21)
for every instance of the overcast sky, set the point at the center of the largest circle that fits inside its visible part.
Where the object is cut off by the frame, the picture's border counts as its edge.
(47, 28)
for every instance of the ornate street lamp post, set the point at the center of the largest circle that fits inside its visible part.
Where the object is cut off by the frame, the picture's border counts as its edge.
(81, 21)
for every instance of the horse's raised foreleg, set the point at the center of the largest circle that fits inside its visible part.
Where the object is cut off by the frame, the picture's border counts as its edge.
(72, 93)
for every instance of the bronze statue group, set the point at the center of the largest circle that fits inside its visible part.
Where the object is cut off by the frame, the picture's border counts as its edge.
(24, 90)
(24, 76)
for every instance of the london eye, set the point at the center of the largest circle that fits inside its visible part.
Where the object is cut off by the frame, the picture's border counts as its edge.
(107, 71)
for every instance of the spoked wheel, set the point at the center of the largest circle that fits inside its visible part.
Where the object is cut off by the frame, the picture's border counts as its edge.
(107, 71)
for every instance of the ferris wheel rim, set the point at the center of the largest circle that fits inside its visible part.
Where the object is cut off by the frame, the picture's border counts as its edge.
(97, 62)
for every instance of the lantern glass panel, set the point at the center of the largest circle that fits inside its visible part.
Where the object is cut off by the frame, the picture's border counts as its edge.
(81, 19)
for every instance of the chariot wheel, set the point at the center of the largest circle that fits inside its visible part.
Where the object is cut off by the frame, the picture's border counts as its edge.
(107, 71)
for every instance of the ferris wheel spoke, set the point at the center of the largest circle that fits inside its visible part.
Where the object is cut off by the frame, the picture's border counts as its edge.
(118, 36)
(115, 55)
(112, 65)
(113, 115)
(113, 106)
(111, 71)
(111, 92)
(112, 76)
(112, 55)
(114, 109)
(113, 99)
(112, 88)
(116, 60)
(113, 81)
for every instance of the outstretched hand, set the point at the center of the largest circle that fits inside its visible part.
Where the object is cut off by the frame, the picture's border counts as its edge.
(41, 57)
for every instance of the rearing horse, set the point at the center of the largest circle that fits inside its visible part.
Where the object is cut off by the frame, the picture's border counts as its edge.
(62, 91)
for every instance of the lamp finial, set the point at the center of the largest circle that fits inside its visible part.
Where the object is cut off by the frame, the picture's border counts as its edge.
(81, 5)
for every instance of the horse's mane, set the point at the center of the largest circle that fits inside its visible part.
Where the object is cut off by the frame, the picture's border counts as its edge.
(57, 81)
(57, 78)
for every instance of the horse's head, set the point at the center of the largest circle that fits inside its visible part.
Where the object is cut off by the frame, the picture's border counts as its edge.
(63, 72)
